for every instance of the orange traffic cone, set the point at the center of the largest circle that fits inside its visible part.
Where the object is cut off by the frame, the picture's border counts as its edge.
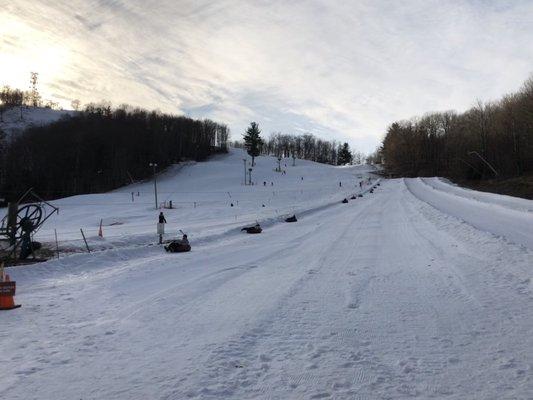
(7, 293)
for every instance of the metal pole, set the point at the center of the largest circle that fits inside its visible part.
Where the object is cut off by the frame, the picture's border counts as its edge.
(57, 244)
(485, 161)
(85, 240)
(155, 186)
(154, 165)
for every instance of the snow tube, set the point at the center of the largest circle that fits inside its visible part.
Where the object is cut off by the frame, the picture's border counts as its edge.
(291, 219)
(175, 247)
(252, 229)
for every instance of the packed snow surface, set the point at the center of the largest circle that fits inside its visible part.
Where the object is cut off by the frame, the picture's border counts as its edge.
(386, 297)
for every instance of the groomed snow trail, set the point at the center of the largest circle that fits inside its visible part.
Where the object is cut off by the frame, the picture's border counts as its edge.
(383, 297)
(489, 215)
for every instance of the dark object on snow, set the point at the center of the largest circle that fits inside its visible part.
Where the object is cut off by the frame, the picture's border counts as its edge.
(353, 197)
(252, 229)
(371, 190)
(291, 219)
(28, 247)
(177, 247)
(359, 195)
(232, 204)
(345, 201)
(378, 184)
(162, 219)
(263, 205)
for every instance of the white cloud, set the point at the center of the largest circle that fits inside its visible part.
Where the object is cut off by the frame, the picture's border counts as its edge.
(342, 70)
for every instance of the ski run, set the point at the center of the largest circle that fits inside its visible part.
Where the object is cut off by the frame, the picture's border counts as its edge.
(420, 289)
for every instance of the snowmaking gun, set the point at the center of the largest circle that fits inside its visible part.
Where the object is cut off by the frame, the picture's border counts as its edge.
(23, 219)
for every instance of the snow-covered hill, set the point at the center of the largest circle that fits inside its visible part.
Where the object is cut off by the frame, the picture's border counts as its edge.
(202, 195)
(418, 289)
(17, 119)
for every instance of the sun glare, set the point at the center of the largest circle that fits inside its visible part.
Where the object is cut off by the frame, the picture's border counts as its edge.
(24, 49)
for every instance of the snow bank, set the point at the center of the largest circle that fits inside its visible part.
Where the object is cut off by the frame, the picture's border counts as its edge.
(495, 214)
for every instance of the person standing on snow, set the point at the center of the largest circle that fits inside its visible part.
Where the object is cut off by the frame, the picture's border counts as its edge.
(162, 219)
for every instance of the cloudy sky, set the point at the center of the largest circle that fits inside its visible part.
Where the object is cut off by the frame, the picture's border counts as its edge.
(339, 69)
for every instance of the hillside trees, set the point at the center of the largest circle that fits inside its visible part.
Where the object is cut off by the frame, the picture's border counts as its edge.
(344, 155)
(253, 141)
(98, 149)
(495, 135)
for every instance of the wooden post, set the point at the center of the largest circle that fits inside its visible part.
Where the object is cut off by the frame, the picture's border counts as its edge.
(57, 244)
(85, 240)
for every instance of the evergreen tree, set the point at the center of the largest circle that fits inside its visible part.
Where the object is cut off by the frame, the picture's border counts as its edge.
(253, 141)
(345, 155)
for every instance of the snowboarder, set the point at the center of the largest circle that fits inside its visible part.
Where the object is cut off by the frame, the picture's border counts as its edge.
(162, 219)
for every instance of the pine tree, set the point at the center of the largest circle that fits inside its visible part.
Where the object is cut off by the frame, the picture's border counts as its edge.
(253, 141)
(344, 156)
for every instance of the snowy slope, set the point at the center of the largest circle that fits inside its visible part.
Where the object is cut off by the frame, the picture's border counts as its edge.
(496, 214)
(202, 194)
(514, 203)
(17, 119)
(383, 297)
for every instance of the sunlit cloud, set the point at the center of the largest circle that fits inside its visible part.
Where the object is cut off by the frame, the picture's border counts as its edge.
(342, 70)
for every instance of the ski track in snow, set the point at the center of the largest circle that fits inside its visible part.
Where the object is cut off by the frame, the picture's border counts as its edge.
(385, 297)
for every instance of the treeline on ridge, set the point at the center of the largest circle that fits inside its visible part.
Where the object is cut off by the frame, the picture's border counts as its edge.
(487, 141)
(308, 147)
(102, 148)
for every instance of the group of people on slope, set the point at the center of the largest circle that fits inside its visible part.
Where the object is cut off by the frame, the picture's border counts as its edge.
(184, 240)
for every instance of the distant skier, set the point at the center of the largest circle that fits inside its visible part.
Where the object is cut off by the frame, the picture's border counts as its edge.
(162, 219)
(340, 184)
